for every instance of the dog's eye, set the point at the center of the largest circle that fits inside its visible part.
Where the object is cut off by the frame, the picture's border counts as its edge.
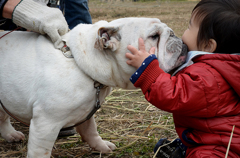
(155, 37)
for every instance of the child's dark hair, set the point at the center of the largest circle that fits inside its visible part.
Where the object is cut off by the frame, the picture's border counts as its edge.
(219, 20)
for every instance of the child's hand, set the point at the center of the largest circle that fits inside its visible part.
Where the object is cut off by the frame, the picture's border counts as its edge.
(137, 57)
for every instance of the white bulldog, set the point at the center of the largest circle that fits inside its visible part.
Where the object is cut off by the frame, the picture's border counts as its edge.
(40, 86)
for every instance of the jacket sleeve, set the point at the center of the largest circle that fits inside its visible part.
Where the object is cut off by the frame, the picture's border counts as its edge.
(184, 93)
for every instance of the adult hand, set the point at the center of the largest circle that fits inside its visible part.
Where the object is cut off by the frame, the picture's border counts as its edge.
(137, 57)
(42, 19)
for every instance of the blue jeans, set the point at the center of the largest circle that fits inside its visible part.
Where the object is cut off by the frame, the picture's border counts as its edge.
(76, 12)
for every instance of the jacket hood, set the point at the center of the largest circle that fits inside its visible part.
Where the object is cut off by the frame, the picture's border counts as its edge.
(228, 65)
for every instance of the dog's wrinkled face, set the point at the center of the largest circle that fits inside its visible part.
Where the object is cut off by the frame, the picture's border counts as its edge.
(170, 50)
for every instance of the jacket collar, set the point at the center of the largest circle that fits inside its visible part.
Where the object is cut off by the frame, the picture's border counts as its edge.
(189, 60)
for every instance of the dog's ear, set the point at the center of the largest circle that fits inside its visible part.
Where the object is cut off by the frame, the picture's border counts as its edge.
(108, 38)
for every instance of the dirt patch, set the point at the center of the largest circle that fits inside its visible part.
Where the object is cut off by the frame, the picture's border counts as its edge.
(126, 118)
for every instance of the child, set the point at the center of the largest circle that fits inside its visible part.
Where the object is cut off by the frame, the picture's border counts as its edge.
(204, 97)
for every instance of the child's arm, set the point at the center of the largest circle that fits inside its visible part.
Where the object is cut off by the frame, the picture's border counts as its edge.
(175, 94)
(137, 57)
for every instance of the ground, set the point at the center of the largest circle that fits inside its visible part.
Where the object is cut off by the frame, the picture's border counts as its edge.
(126, 118)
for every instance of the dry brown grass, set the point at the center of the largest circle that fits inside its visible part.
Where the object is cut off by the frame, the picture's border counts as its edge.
(175, 14)
(126, 118)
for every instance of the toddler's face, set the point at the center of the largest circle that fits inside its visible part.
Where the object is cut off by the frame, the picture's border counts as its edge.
(189, 37)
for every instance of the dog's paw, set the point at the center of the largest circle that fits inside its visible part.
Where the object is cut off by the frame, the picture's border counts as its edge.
(104, 146)
(110, 145)
(13, 136)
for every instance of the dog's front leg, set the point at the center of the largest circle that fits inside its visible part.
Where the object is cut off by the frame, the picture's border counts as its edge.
(88, 132)
(42, 135)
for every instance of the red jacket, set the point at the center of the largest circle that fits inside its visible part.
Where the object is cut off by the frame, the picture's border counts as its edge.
(203, 97)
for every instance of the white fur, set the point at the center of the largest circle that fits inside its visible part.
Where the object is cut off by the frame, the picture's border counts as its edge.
(42, 87)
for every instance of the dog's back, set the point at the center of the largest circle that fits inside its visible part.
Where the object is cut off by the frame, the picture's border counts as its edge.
(32, 70)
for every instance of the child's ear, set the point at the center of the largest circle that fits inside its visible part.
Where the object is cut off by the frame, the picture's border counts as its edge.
(210, 46)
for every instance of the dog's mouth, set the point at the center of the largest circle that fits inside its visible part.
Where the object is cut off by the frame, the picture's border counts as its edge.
(181, 59)
(183, 55)
(177, 52)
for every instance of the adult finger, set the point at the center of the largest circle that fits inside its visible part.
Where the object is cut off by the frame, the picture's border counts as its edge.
(62, 31)
(53, 34)
(55, 37)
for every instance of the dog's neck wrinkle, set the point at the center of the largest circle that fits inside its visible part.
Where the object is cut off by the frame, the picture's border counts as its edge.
(83, 51)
